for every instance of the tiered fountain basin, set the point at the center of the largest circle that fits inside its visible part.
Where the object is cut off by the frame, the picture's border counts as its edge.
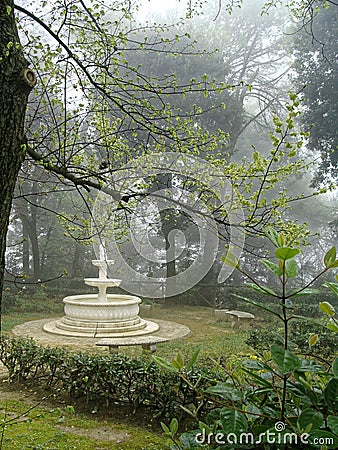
(101, 315)
(85, 316)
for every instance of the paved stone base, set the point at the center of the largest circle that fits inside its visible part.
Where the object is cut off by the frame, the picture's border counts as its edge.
(146, 327)
(34, 329)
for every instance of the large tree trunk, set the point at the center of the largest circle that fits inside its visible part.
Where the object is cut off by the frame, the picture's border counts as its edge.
(78, 260)
(30, 226)
(33, 236)
(25, 249)
(16, 81)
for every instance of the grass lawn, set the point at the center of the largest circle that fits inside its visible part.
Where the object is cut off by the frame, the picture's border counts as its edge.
(214, 338)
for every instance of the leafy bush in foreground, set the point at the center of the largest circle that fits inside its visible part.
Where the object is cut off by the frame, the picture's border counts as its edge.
(280, 399)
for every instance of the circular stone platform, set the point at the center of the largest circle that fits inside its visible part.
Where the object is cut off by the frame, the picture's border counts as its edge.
(65, 327)
(34, 329)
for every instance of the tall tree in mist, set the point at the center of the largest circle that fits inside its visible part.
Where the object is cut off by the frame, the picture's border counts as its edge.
(317, 76)
(16, 81)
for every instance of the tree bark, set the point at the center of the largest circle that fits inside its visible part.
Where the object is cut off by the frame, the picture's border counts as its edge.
(16, 82)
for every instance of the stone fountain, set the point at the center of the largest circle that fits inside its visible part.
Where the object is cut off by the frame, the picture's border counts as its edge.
(101, 315)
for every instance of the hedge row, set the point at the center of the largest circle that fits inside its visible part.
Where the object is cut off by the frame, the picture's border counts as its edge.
(103, 379)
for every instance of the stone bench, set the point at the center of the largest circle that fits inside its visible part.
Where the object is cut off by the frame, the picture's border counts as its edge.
(237, 319)
(148, 342)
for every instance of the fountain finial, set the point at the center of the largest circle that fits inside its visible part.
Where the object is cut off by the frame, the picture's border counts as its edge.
(103, 260)
(102, 282)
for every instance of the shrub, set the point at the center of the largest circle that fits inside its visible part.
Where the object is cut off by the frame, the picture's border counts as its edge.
(103, 379)
(278, 393)
(9, 300)
(29, 302)
(300, 331)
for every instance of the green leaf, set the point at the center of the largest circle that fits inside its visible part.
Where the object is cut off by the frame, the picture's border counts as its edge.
(334, 264)
(327, 308)
(309, 365)
(253, 364)
(332, 422)
(233, 421)
(332, 325)
(335, 367)
(173, 425)
(281, 239)
(259, 380)
(259, 305)
(291, 269)
(306, 291)
(313, 339)
(230, 259)
(315, 418)
(193, 359)
(332, 286)
(189, 441)
(274, 268)
(162, 362)
(188, 411)
(178, 362)
(305, 383)
(272, 236)
(286, 361)
(331, 394)
(204, 426)
(165, 428)
(263, 289)
(227, 391)
(330, 257)
(285, 253)
(213, 416)
(298, 390)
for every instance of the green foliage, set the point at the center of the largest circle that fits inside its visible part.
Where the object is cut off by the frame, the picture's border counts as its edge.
(330, 260)
(29, 301)
(286, 361)
(280, 386)
(9, 300)
(327, 309)
(121, 112)
(285, 253)
(301, 331)
(332, 286)
(105, 380)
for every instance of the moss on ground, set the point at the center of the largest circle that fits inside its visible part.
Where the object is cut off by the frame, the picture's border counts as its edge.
(44, 428)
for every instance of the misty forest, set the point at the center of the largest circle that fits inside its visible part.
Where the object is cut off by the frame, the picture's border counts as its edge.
(168, 224)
